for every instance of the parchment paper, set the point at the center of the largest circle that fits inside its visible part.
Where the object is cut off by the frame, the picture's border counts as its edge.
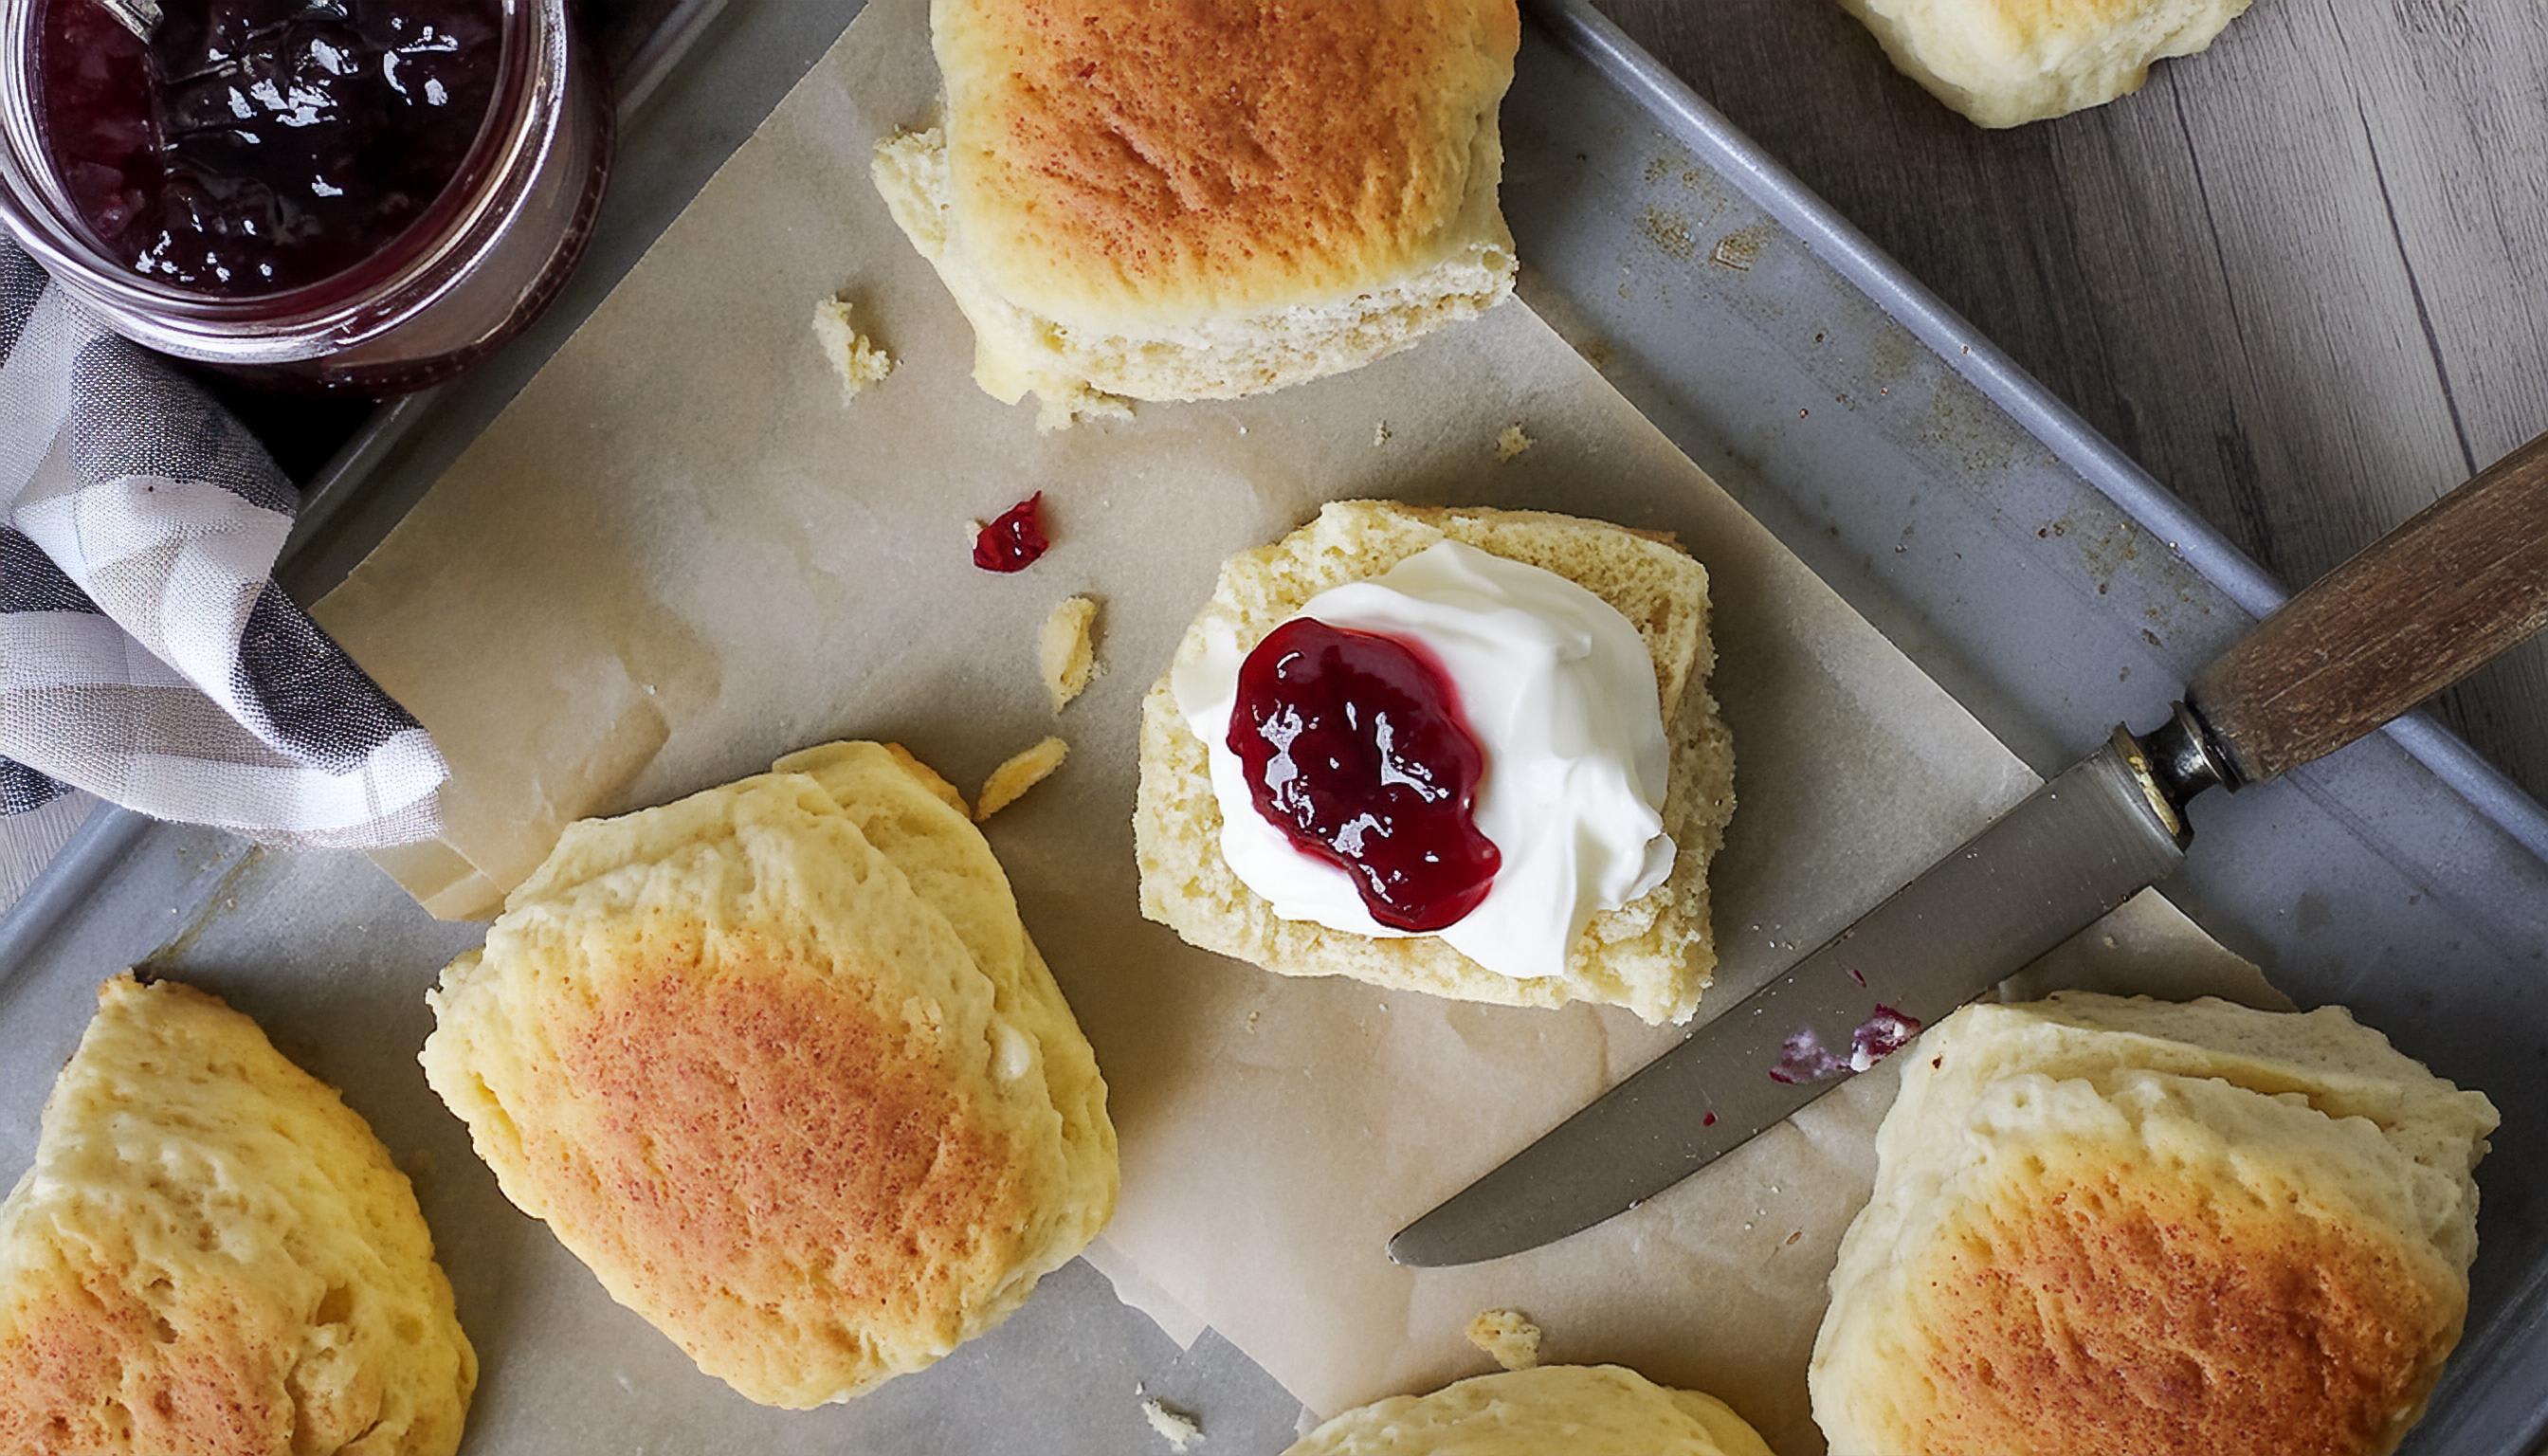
(680, 555)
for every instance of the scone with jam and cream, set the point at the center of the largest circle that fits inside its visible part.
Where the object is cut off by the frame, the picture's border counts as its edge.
(1469, 753)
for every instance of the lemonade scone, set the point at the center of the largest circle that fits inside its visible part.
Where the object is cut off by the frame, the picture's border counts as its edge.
(212, 1255)
(2103, 1223)
(1574, 1410)
(779, 1063)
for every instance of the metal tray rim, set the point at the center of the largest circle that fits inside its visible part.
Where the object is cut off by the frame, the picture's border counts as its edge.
(1969, 352)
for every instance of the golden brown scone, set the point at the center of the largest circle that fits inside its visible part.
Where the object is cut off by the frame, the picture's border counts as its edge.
(780, 1064)
(1573, 1409)
(2007, 62)
(2104, 1224)
(214, 1256)
(1207, 199)
(1653, 955)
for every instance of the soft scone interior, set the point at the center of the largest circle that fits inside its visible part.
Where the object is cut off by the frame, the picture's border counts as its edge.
(1577, 1410)
(781, 1064)
(1139, 201)
(1653, 955)
(213, 1253)
(2218, 1230)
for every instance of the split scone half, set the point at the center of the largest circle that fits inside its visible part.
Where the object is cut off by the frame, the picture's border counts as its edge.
(1653, 954)
(779, 1063)
(2103, 1225)
(213, 1253)
(1578, 1409)
(1138, 201)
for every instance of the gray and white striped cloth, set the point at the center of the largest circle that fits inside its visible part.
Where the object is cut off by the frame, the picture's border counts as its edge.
(146, 655)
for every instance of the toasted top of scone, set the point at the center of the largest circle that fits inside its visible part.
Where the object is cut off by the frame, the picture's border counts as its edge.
(2104, 1224)
(778, 1063)
(212, 1255)
(1118, 162)
(1579, 1409)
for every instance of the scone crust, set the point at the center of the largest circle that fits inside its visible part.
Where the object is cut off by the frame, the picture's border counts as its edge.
(1117, 163)
(214, 1255)
(1654, 956)
(1579, 1410)
(2008, 62)
(779, 1065)
(2089, 1234)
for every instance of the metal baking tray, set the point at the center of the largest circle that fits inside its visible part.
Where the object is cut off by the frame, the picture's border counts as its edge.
(2044, 579)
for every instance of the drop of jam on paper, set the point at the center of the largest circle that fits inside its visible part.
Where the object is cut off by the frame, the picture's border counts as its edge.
(1708, 1121)
(1856, 975)
(1355, 747)
(1804, 1057)
(1013, 539)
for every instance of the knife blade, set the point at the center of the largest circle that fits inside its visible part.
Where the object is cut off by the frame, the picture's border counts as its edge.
(2464, 580)
(2084, 843)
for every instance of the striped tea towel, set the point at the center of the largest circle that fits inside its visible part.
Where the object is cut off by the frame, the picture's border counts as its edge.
(146, 654)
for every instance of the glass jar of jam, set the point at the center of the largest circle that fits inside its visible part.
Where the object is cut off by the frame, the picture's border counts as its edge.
(356, 194)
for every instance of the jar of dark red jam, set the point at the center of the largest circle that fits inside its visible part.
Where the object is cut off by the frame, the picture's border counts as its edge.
(356, 194)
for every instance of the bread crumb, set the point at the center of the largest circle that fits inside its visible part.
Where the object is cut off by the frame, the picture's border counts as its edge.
(855, 357)
(1512, 442)
(1380, 434)
(1020, 773)
(1065, 652)
(1176, 1428)
(930, 778)
(1063, 410)
(1509, 1337)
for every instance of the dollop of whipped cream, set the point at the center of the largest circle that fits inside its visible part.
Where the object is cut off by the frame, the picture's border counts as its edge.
(1560, 693)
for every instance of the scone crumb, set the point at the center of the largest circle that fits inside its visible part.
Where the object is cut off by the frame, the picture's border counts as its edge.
(854, 357)
(1509, 1337)
(1380, 434)
(1512, 442)
(1064, 408)
(1013, 779)
(1065, 651)
(1175, 1427)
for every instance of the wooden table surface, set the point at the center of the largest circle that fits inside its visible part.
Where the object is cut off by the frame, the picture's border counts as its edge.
(2303, 277)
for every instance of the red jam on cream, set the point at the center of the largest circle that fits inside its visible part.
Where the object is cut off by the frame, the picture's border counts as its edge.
(1551, 685)
(1354, 748)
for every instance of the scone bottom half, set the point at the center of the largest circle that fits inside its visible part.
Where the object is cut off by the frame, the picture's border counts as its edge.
(780, 1064)
(1654, 956)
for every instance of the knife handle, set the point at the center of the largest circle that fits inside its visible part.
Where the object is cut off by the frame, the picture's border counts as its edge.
(2462, 581)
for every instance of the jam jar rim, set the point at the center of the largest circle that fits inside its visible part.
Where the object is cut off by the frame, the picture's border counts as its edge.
(41, 219)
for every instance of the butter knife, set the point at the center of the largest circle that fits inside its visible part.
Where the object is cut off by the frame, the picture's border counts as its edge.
(2461, 582)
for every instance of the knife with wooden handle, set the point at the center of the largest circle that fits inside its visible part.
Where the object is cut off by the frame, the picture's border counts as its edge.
(2423, 607)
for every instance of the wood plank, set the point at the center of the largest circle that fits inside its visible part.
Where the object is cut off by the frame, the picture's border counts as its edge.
(2303, 278)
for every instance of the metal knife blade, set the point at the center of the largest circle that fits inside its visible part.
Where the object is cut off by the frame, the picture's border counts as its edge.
(2083, 844)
